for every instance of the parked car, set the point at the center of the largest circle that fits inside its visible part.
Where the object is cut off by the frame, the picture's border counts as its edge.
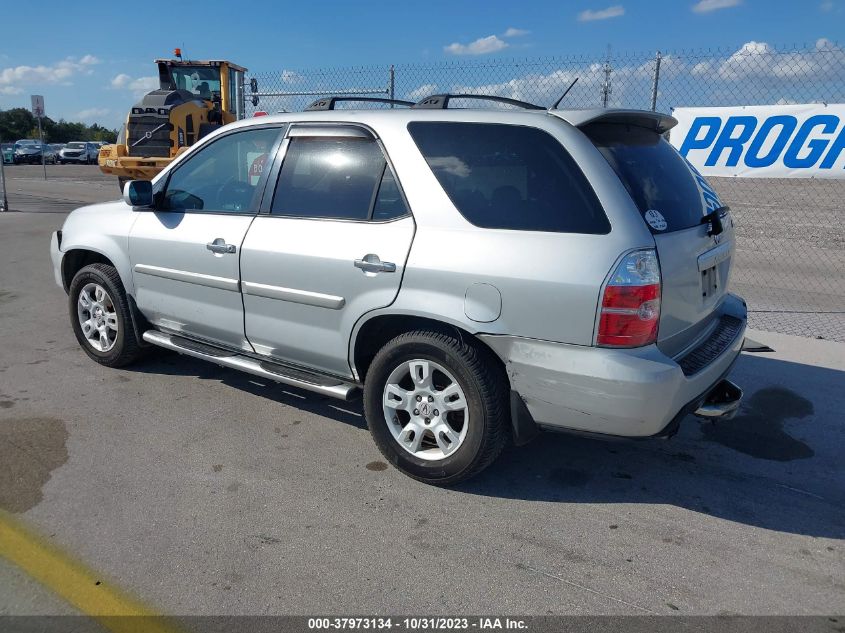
(8, 150)
(479, 274)
(30, 151)
(79, 152)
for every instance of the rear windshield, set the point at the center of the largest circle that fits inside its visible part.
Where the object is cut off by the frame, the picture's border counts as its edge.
(656, 175)
(510, 177)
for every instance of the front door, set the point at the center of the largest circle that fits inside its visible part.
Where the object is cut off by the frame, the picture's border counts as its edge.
(185, 253)
(332, 247)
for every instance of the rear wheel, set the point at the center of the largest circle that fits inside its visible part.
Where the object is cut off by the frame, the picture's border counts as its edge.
(121, 182)
(437, 406)
(100, 318)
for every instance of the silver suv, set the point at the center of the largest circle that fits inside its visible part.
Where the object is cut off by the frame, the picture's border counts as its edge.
(480, 274)
(79, 152)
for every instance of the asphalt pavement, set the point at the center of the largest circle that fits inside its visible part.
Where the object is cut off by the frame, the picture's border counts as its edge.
(200, 490)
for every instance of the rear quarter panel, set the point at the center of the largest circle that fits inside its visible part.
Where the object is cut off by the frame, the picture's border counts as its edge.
(549, 282)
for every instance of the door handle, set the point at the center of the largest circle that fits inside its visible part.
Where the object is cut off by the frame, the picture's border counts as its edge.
(372, 264)
(220, 247)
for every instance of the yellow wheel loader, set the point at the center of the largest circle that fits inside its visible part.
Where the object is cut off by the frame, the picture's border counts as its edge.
(193, 99)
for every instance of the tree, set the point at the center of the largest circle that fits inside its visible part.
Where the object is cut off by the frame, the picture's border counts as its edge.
(16, 124)
(19, 123)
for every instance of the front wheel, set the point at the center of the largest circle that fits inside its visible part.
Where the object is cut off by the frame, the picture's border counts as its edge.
(437, 406)
(100, 318)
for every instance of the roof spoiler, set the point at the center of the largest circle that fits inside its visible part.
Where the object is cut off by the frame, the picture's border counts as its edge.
(642, 118)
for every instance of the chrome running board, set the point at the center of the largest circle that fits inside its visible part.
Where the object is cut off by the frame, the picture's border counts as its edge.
(318, 383)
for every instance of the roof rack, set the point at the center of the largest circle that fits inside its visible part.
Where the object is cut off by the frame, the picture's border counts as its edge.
(441, 102)
(328, 103)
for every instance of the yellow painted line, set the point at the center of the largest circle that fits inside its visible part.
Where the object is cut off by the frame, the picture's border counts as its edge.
(75, 583)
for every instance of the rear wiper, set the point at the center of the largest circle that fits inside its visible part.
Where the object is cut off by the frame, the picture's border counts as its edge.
(714, 219)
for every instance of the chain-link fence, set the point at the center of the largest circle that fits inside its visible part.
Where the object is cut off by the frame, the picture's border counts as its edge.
(790, 262)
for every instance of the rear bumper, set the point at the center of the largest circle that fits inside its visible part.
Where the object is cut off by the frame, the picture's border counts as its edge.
(625, 392)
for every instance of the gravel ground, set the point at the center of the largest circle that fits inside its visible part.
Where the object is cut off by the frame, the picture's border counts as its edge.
(790, 253)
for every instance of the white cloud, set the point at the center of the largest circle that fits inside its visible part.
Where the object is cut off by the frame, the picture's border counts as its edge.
(706, 6)
(121, 80)
(590, 15)
(759, 59)
(514, 32)
(138, 86)
(421, 91)
(481, 46)
(13, 78)
(827, 6)
(754, 73)
(290, 77)
(92, 113)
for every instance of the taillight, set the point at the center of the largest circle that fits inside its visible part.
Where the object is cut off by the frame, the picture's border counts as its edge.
(630, 307)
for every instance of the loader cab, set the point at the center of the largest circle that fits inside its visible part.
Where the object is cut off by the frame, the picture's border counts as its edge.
(220, 82)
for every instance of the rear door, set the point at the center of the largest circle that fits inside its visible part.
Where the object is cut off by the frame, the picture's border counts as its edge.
(673, 199)
(331, 246)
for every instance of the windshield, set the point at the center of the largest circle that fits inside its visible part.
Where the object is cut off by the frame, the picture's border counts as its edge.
(655, 174)
(200, 80)
(76, 145)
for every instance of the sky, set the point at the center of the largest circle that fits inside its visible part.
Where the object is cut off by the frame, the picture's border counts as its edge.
(92, 60)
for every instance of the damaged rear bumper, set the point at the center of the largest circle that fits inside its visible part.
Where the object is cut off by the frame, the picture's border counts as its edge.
(637, 392)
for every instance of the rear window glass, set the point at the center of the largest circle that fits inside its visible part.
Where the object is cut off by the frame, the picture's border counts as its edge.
(653, 172)
(510, 177)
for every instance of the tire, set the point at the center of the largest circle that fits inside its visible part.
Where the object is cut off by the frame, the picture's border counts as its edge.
(479, 431)
(123, 347)
(121, 181)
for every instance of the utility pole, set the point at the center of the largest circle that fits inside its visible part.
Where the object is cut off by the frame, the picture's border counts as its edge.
(38, 112)
(41, 140)
(392, 86)
(656, 81)
(606, 88)
(4, 201)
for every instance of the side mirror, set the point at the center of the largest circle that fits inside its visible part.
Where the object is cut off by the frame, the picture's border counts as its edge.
(138, 193)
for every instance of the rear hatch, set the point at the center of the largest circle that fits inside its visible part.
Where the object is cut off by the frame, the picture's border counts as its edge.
(673, 199)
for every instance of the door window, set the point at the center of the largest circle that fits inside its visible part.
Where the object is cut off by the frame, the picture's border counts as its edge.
(340, 178)
(224, 176)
